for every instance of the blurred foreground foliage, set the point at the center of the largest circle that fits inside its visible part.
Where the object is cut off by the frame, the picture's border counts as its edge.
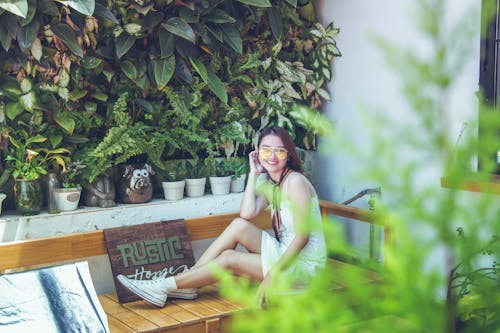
(442, 276)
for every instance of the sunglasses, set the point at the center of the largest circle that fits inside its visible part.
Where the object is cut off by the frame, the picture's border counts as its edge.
(266, 152)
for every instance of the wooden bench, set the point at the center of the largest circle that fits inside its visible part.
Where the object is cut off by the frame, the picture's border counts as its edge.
(209, 313)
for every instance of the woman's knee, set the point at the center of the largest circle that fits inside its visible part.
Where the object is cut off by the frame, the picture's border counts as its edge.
(228, 259)
(239, 224)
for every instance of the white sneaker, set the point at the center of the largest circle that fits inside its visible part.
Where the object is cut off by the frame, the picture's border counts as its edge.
(152, 291)
(189, 293)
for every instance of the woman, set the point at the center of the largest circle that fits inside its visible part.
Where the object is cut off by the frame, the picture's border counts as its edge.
(296, 222)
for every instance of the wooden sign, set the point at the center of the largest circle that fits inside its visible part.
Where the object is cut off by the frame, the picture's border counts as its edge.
(148, 251)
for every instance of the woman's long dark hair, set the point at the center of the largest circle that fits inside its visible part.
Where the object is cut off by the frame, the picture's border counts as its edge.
(293, 159)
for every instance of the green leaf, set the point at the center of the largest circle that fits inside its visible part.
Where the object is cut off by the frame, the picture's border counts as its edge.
(36, 49)
(10, 88)
(123, 43)
(232, 37)
(216, 32)
(276, 22)
(151, 20)
(219, 16)
(30, 14)
(90, 62)
(179, 27)
(19, 7)
(292, 2)
(167, 42)
(86, 7)
(55, 139)
(13, 109)
(100, 96)
(145, 105)
(129, 69)
(28, 101)
(77, 94)
(26, 35)
(103, 12)
(212, 80)
(163, 71)
(68, 37)
(5, 39)
(66, 122)
(36, 139)
(256, 3)
(189, 16)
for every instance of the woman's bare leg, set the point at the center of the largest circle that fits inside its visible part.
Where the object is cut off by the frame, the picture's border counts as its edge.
(239, 231)
(238, 263)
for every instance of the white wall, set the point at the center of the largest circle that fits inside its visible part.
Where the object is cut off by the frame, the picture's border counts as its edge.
(361, 78)
(364, 86)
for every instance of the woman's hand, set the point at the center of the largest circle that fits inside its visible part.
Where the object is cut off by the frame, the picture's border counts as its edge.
(255, 166)
(262, 290)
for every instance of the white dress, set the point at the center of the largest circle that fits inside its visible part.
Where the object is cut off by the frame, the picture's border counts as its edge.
(313, 255)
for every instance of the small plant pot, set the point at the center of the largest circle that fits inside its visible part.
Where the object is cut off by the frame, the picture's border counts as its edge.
(67, 199)
(238, 184)
(28, 196)
(2, 198)
(195, 187)
(173, 190)
(220, 185)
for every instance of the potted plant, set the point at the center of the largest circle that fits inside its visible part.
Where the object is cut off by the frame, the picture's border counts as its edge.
(67, 197)
(175, 180)
(238, 169)
(27, 164)
(220, 181)
(195, 179)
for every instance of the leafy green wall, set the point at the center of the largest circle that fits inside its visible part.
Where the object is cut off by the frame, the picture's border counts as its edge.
(130, 80)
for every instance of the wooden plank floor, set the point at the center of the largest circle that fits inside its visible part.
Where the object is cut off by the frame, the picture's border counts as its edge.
(208, 313)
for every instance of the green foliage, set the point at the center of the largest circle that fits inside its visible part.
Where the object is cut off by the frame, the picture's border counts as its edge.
(71, 177)
(237, 166)
(175, 171)
(180, 75)
(460, 293)
(196, 169)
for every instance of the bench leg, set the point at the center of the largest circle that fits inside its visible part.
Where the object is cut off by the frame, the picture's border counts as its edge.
(212, 326)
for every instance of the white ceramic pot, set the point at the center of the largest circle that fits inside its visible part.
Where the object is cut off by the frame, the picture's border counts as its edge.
(195, 187)
(173, 190)
(238, 184)
(220, 185)
(67, 198)
(2, 198)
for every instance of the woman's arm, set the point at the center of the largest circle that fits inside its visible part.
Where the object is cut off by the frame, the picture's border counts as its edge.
(252, 203)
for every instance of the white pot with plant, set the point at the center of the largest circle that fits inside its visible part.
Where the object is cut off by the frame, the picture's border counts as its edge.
(220, 182)
(174, 183)
(238, 169)
(67, 197)
(196, 180)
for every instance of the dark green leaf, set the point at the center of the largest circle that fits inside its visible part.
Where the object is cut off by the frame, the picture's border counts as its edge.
(183, 72)
(17, 7)
(123, 43)
(55, 140)
(187, 15)
(10, 88)
(167, 43)
(129, 69)
(48, 7)
(276, 22)
(86, 7)
(212, 80)
(90, 62)
(77, 139)
(31, 13)
(216, 32)
(145, 105)
(163, 71)
(103, 12)
(77, 94)
(143, 82)
(26, 35)
(151, 20)
(179, 27)
(68, 37)
(5, 39)
(292, 2)
(219, 16)
(256, 3)
(232, 37)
